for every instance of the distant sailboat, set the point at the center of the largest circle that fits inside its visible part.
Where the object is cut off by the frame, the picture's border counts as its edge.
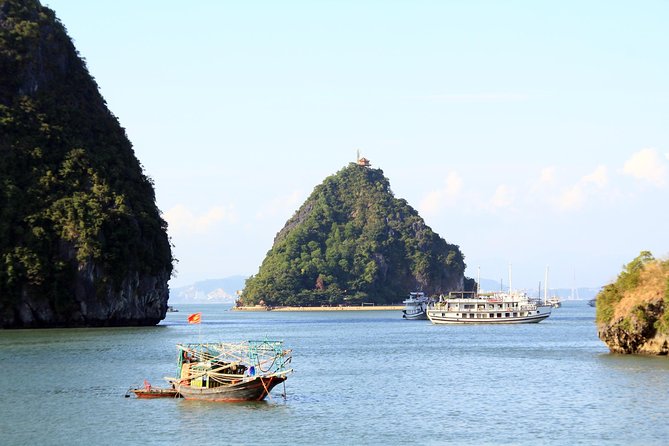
(553, 301)
(574, 290)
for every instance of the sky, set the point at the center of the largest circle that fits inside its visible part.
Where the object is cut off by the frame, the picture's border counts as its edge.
(531, 134)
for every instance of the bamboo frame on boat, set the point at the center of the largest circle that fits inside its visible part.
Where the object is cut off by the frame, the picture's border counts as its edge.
(231, 371)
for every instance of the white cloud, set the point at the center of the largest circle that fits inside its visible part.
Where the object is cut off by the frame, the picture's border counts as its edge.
(600, 177)
(502, 198)
(576, 196)
(572, 199)
(547, 175)
(180, 219)
(647, 165)
(443, 197)
(283, 205)
(546, 181)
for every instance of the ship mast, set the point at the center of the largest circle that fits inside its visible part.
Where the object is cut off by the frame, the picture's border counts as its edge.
(546, 287)
(478, 280)
(510, 288)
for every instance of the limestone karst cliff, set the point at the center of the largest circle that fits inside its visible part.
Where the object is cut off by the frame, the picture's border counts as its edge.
(633, 312)
(352, 241)
(82, 242)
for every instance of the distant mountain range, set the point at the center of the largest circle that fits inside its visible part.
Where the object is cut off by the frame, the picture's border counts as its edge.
(564, 293)
(217, 291)
(214, 291)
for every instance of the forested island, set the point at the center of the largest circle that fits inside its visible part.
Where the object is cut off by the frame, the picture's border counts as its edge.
(353, 242)
(633, 312)
(82, 242)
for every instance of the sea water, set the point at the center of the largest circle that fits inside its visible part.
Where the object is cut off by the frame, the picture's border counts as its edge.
(366, 377)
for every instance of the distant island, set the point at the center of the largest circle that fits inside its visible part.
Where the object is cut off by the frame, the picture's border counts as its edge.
(212, 291)
(352, 242)
(633, 312)
(82, 242)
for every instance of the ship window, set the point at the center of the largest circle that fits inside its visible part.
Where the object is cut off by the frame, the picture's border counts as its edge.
(499, 314)
(506, 314)
(515, 314)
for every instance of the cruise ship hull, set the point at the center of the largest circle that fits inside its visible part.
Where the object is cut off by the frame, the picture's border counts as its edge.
(440, 317)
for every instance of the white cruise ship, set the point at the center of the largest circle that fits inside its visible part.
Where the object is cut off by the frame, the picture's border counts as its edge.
(468, 307)
(415, 306)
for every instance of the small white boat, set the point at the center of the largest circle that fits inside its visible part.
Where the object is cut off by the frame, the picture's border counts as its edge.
(468, 307)
(415, 306)
(554, 302)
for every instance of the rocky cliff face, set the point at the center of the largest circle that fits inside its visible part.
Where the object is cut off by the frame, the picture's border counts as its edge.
(82, 242)
(632, 313)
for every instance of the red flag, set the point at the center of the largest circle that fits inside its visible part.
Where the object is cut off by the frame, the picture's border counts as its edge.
(194, 318)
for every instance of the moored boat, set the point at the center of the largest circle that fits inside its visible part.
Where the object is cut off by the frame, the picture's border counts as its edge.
(465, 307)
(415, 306)
(150, 392)
(230, 372)
(254, 389)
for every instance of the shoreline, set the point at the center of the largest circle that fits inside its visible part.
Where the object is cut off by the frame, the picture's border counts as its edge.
(286, 309)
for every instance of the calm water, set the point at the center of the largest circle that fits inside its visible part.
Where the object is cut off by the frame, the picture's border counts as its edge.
(361, 378)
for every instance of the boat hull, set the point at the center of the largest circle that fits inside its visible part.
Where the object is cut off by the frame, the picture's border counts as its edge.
(155, 393)
(414, 316)
(252, 390)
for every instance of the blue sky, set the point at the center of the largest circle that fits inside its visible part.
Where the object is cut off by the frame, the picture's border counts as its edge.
(529, 133)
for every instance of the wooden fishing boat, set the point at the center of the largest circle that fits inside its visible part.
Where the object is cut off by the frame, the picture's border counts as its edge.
(255, 389)
(149, 392)
(230, 372)
(156, 392)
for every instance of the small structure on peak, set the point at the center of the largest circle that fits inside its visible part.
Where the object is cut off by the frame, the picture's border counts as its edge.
(364, 162)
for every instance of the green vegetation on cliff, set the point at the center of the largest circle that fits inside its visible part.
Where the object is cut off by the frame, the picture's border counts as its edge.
(352, 241)
(633, 312)
(77, 214)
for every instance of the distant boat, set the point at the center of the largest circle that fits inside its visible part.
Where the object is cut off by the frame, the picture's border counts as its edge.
(415, 306)
(554, 302)
(171, 309)
(468, 307)
(593, 302)
(229, 372)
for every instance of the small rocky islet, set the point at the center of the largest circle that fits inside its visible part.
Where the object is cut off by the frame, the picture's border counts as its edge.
(353, 242)
(633, 312)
